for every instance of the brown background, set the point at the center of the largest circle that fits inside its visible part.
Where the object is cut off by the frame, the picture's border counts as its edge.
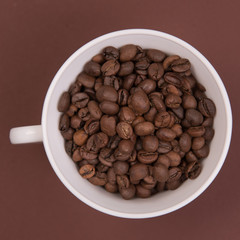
(36, 37)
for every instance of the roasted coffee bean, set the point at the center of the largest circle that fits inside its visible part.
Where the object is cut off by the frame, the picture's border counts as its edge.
(86, 80)
(98, 58)
(74, 88)
(80, 137)
(120, 167)
(148, 85)
(150, 143)
(98, 83)
(193, 170)
(164, 147)
(156, 100)
(139, 102)
(69, 147)
(126, 115)
(179, 112)
(128, 52)
(169, 60)
(202, 152)
(148, 185)
(194, 117)
(142, 192)
(122, 97)
(80, 100)
(174, 157)
(181, 65)
(129, 81)
(100, 179)
(93, 162)
(126, 68)
(144, 128)
(160, 172)
(147, 157)
(208, 122)
(155, 71)
(173, 185)
(101, 168)
(106, 93)
(164, 160)
(209, 133)
(64, 102)
(126, 146)
(87, 154)
(113, 81)
(166, 134)
(123, 181)
(155, 55)
(196, 131)
(177, 128)
(64, 123)
(91, 126)
(150, 115)
(199, 95)
(87, 171)
(111, 176)
(189, 101)
(91, 93)
(84, 114)
(170, 89)
(173, 78)
(207, 107)
(142, 64)
(112, 188)
(191, 157)
(185, 142)
(75, 122)
(124, 130)
(173, 101)
(137, 120)
(92, 69)
(198, 143)
(110, 67)
(128, 193)
(108, 125)
(76, 156)
(162, 119)
(71, 110)
(110, 53)
(175, 174)
(68, 134)
(109, 108)
(138, 171)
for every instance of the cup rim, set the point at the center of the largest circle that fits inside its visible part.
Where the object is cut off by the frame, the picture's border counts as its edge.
(218, 82)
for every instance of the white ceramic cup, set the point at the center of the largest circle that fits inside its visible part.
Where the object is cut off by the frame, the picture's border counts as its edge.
(65, 168)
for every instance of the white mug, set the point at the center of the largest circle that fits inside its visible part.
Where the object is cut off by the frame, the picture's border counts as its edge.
(66, 169)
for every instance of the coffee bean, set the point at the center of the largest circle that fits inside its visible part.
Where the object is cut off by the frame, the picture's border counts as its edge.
(209, 133)
(142, 63)
(207, 107)
(138, 171)
(106, 93)
(177, 128)
(64, 123)
(169, 60)
(173, 185)
(189, 101)
(139, 102)
(86, 80)
(129, 81)
(64, 102)
(91, 126)
(173, 101)
(124, 130)
(181, 65)
(160, 172)
(80, 137)
(155, 71)
(147, 85)
(80, 100)
(191, 157)
(162, 119)
(98, 58)
(150, 143)
(208, 122)
(126, 68)
(100, 179)
(165, 134)
(196, 131)
(112, 188)
(179, 112)
(113, 81)
(75, 122)
(111, 67)
(71, 110)
(87, 171)
(193, 170)
(157, 101)
(202, 152)
(164, 160)
(174, 157)
(109, 108)
(92, 69)
(170, 89)
(120, 167)
(147, 157)
(84, 114)
(98, 83)
(198, 143)
(108, 125)
(164, 147)
(144, 128)
(128, 193)
(126, 115)
(185, 142)
(173, 78)
(150, 115)
(123, 97)
(128, 52)
(175, 174)
(142, 192)
(68, 134)
(110, 53)
(155, 55)
(194, 117)
(76, 157)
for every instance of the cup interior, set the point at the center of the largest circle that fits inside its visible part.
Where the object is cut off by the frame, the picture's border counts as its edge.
(160, 203)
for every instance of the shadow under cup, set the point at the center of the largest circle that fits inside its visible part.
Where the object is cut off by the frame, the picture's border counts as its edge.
(160, 203)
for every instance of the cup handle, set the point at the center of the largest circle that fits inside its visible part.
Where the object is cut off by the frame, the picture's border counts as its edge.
(27, 134)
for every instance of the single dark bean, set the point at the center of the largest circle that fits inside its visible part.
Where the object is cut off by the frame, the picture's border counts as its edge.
(185, 142)
(120, 167)
(126, 68)
(128, 52)
(80, 137)
(91, 126)
(160, 172)
(202, 152)
(147, 157)
(142, 192)
(138, 171)
(75, 122)
(150, 143)
(64, 102)
(92, 69)
(150, 115)
(181, 65)
(173, 78)
(175, 174)
(164, 147)
(189, 101)
(209, 133)
(126, 115)
(87, 171)
(123, 97)
(169, 60)
(68, 134)
(207, 107)
(86, 80)
(194, 117)
(109, 108)
(112, 188)
(128, 193)
(64, 123)
(162, 119)
(106, 93)
(129, 81)
(175, 158)
(110, 53)
(164, 160)
(111, 67)
(173, 101)
(144, 129)
(124, 130)
(198, 143)
(98, 58)
(196, 131)
(148, 85)
(165, 134)
(155, 71)
(80, 100)
(100, 179)
(113, 81)
(108, 125)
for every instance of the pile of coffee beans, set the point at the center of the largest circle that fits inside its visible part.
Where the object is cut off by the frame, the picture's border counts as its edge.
(136, 121)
